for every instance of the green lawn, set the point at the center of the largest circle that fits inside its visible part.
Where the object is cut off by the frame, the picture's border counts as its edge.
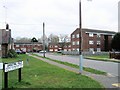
(39, 74)
(101, 58)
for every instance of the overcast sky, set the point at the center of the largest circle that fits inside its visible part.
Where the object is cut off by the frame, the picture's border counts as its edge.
(25, 17)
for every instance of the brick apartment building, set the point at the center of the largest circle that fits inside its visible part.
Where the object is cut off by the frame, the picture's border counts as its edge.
(5, 41)
(28, 46)
(93, 40)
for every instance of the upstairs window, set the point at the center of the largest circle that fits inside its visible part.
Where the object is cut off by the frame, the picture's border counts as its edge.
(98, 42)
(98, 35)
(73, 43)
(73, 36)
(77, 35)
(90, 34)
(91, 42)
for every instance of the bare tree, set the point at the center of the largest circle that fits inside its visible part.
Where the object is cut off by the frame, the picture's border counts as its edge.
(22, 40)
(64, 40)
(54, 39)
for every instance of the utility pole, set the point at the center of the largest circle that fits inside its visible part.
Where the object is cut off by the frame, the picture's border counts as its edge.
(43, 39)
(80, 39)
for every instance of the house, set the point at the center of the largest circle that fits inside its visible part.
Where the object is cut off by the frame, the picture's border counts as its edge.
(5, 41)
(92, 40)
(52, 47)
(28, 46)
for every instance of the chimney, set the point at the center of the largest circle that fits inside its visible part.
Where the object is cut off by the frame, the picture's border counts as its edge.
(7, 26)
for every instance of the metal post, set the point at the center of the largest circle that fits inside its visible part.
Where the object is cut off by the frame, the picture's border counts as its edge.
(43, 39)
(80, 39)
(19, 75)
(5, 77)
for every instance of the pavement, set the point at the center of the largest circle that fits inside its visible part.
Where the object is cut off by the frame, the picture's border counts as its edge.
(109, 82)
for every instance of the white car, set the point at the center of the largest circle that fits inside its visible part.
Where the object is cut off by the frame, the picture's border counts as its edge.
(42, 51)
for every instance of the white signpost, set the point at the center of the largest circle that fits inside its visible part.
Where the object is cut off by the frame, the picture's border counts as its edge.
(13, 66)
(10, 67)
(1, 66)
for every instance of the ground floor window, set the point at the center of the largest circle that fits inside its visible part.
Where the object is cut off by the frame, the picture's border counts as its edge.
(98, 49)
(0, 47)
(91, 49)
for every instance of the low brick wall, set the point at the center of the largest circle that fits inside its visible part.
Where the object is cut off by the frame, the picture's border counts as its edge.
(115, 55)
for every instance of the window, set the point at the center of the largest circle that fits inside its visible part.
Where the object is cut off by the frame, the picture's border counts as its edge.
(0, 47)
(69, 45)
(73, 36)
(69, 49)
(91, 49)
(77, 35)
(112, 36)
(98, 43)
(98, 49)
(56, 46)
(17, 45)
(51, 50)
(65, 49)
(98, 35)
(56, 49)
(77, 49)
(77, 42)
(91, 42)
(73, 49)
(73, 43)
(90, 34)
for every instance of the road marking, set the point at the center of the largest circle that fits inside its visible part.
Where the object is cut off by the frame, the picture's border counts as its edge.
(116, 84)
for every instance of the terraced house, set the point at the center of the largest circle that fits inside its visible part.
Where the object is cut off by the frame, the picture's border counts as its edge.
(92, 40)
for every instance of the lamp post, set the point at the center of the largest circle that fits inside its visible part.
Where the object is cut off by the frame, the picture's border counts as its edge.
(80, 39)
(43, 39)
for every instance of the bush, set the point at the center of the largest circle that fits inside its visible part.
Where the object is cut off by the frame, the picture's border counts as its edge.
(116, 42)
(12, 53)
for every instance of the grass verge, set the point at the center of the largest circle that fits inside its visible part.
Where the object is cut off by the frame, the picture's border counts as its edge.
(39, 74)
(102, 58)
(94, 71)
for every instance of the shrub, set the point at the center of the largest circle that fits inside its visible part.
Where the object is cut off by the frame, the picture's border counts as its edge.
(12, 53)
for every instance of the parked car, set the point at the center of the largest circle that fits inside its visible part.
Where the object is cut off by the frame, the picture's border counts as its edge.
(23, 52)
(42, 51)
(18, 51)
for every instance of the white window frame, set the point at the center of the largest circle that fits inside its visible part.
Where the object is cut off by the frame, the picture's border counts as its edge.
(91, 49)
(77, 35)
(91, 34)
(98, 42)
(0, 47)
(77, 49)
(56, 46)
(91, 42)
(17, 45)
(77, 42)
(98, 49)
(73, 36)
(98, 35)
(73, 49)
(69, 46)
(73, 43)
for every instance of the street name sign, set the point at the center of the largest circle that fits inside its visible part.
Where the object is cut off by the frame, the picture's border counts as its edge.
(13, 66)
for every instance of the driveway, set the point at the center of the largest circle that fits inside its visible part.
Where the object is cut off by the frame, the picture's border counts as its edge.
(109, 67)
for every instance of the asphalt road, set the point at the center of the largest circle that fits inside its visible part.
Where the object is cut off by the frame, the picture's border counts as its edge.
(109, 67)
